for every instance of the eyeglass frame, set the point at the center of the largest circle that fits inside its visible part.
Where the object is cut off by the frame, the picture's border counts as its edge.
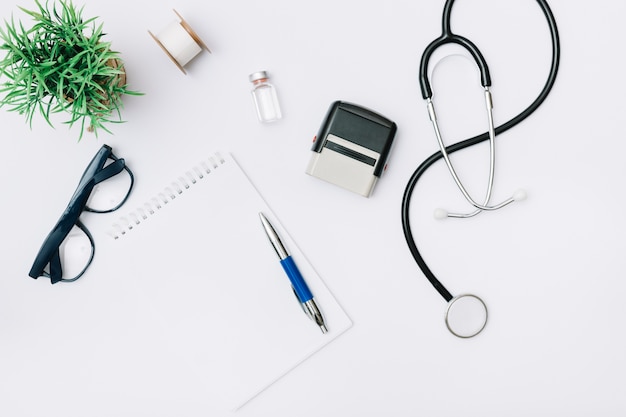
(94, 174)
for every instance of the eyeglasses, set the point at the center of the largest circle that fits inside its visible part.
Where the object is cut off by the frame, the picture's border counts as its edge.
(68, 250)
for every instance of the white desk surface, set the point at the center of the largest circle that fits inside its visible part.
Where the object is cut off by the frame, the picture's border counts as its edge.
(551, 269)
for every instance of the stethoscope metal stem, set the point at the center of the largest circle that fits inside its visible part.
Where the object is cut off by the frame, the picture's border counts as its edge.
(492, 155)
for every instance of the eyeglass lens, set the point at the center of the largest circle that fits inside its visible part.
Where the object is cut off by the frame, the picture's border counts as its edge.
(75, 254)
(110, 194)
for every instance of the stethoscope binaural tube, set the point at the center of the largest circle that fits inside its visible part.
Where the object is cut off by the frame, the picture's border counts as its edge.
(428, 162)
(447, 37)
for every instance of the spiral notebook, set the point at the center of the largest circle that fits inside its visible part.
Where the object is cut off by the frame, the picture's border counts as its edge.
(201, 262)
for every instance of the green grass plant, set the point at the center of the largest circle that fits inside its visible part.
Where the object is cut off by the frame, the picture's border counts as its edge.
(61, 64)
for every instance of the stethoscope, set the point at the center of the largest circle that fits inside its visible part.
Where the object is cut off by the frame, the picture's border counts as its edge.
(466, 314)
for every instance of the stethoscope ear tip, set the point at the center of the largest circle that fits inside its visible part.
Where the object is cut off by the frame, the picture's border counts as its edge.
(520, 195)
(440, 214)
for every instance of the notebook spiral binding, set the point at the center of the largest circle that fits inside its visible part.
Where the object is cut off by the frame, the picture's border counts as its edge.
(168, 194)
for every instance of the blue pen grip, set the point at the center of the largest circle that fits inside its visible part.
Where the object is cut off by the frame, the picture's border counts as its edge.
(297, 281)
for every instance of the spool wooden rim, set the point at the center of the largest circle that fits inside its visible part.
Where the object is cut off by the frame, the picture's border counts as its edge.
(191, 32)
(180, 67)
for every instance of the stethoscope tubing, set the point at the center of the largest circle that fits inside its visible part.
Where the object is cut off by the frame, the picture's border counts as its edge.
(428, 162)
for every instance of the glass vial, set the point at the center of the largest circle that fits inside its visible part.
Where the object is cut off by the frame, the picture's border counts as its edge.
(265, 98)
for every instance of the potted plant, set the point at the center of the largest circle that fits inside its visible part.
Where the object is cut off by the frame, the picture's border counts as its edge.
(61, 64)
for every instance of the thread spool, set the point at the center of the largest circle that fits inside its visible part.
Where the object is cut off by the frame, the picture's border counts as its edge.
(180, 42)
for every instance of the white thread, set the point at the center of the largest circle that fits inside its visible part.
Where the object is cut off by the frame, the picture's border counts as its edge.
(180, 42)
(167, 195)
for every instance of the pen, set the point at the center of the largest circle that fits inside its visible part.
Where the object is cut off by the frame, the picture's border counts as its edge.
(302, 291)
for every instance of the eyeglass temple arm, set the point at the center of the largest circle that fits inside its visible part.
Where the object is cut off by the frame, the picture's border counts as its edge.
(109, 171)
(56, 271)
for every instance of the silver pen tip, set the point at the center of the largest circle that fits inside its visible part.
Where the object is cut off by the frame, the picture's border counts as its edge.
(324, 329)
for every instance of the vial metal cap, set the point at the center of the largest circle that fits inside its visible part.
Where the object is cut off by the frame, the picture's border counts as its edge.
(259, 75)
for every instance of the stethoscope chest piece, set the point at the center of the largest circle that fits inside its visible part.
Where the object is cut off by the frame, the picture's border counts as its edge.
(466, 315)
